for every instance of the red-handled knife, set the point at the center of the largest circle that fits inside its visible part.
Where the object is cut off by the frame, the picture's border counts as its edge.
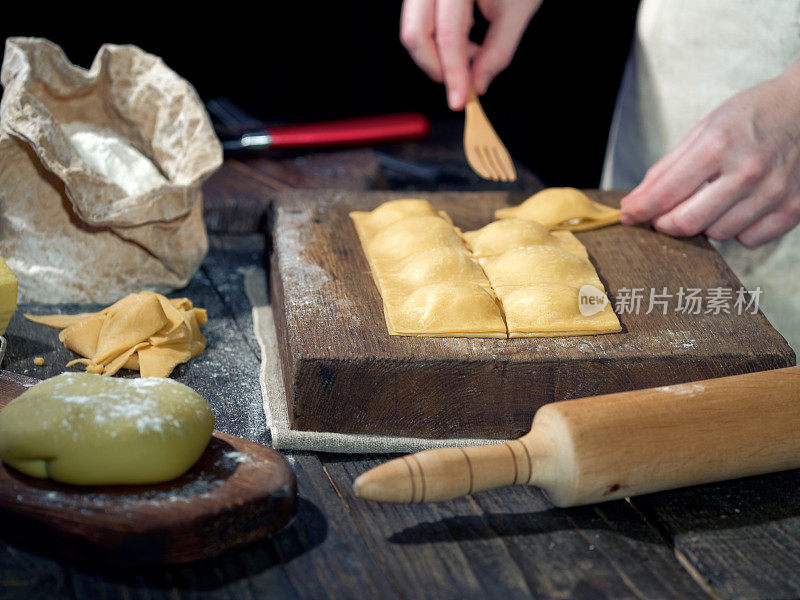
(360, 131)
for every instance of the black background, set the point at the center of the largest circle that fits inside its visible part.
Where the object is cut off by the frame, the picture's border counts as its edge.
(302, 61)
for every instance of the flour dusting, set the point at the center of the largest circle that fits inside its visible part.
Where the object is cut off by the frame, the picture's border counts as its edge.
(309, 283)
(137, 404)
(115, 158)
(686, 389)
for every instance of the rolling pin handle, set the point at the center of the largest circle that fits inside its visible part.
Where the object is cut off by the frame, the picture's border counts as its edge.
(445, 473)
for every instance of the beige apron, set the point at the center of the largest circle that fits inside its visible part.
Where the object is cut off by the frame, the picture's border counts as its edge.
(687, 58)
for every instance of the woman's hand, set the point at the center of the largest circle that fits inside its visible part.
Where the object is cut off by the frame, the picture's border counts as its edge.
(737, 174)
(436, 34)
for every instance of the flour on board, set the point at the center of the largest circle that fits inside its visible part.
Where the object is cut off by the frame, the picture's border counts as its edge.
(308, 281)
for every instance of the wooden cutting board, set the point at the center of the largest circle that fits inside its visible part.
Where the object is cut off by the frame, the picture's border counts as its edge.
(344, 373)
(237, 493)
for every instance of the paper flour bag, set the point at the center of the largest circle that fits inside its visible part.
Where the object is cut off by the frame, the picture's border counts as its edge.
(100, 173)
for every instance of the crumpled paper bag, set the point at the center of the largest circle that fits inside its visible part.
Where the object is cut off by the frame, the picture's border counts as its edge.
(67, 232)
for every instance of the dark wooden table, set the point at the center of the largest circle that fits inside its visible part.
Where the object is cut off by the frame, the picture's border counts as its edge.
(730, 540)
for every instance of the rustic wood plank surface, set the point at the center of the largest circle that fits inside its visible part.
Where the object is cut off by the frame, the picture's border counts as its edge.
(741, 539)
(345, 373)
(729, 540)
(514, 540)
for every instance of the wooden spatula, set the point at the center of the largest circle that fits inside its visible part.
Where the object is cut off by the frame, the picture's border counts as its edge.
(618, 445)
(486, 154)
(237, 493)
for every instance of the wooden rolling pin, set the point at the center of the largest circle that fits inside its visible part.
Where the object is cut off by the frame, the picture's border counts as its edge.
(618, 445)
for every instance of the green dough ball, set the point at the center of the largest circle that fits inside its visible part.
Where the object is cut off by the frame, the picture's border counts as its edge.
(88, 429)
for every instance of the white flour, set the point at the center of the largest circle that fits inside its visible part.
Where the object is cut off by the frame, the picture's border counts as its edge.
(308, 284)
(114, 157)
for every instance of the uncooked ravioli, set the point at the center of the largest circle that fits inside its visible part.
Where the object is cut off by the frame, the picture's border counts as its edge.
(570, 243)
(388, 213)
(448, 309)
(498, 236)
(408, 236)
(429, 283)
(505, 234)
(562, 208)
(539, 264)
(435, 281)
(432, 265)
(551, 309)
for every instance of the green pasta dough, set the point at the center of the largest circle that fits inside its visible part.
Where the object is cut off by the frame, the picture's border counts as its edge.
(87, 429)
